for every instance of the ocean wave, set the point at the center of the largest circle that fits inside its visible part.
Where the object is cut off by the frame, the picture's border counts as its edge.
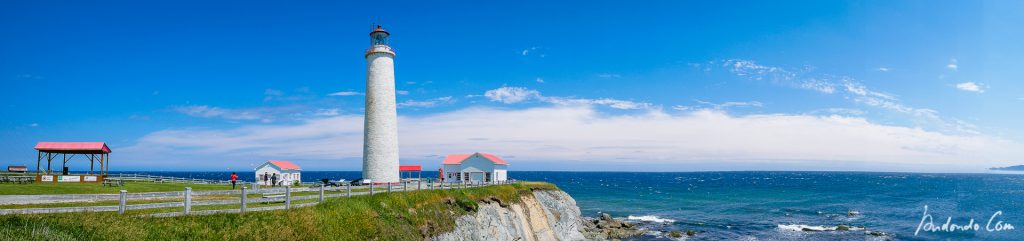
(650, 218)
(812, 228)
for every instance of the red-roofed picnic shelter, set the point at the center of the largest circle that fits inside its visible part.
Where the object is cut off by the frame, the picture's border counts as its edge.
(97, 152)
(410, 169)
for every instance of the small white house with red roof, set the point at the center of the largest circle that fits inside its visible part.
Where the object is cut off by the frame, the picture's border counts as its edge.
(286, 171)
(477, 168)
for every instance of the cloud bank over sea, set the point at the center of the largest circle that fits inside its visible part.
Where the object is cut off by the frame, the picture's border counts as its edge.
(580, 133)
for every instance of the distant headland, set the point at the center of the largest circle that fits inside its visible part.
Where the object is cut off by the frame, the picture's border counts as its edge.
(1009, 168)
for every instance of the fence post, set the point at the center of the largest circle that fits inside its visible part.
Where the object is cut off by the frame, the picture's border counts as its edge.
(371, 189)
(322, 193)
(244, 197)
(405, 186)
(389, 187)
(348, 190)
(430, 185)
(122, 201)
(188, 200)
(419, 185)
(287, 197)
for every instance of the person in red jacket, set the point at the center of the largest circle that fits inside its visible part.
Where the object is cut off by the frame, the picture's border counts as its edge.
(234, 177)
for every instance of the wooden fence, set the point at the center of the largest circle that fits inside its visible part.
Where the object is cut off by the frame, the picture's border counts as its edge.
(283, 195)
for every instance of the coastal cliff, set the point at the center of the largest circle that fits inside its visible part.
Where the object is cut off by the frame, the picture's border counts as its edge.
(544, 215)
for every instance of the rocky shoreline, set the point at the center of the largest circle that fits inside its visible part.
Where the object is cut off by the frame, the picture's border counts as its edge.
(608, 228)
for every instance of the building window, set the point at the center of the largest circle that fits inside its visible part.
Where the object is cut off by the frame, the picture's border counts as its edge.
(487, 177)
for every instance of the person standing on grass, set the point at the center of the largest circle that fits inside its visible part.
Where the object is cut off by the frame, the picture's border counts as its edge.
(234, 177)
(273, 180)
(266, 176)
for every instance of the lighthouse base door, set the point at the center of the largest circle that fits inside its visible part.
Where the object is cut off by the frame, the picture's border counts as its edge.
(476, 177)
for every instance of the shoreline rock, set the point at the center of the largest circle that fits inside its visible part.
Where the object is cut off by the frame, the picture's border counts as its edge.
(605, 227)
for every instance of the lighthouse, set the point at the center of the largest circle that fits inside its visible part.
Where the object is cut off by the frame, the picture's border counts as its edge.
(380, 126)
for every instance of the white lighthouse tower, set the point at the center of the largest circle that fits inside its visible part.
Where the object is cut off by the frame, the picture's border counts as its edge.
(380, 133)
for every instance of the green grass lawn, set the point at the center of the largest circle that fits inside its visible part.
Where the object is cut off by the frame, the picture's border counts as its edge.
(396, 216)
(96, 188)
(252, 196)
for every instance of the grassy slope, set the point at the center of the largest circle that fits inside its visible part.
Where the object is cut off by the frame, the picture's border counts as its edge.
(96, 188)
(396, 216)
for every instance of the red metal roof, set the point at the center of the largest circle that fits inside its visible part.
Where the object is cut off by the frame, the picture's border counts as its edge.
(458, 158)
(379, 29)
(285, 165)
(73, 147)
(410, 168)
(455, 158)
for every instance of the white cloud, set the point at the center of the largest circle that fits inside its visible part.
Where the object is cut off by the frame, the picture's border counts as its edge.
(218, 112)
(574, 133)
(526, 51)
(34, 125)
(750, 69)
(539, 80)
(401, 92)
(270, 94)
(511, 95)
(264, 114)
(609, 76)
(884, 69)
(345, 93)
(818, 85)
(844, 111)
(952, 65)
(327, 112)
(612, 103)
(970, 86)
(28, 76)
(731, 104)
(426, 103)
(846, 87)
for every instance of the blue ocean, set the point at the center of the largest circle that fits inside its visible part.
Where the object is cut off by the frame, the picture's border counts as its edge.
(786, 205)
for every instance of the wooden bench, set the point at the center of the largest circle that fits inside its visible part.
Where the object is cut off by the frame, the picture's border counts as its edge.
(267, 196)
(113, 182)
(17, 179)
(25, 180)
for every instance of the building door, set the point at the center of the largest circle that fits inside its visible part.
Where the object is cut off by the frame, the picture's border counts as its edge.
(476, 176)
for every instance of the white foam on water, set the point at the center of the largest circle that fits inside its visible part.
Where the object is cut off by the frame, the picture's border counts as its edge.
(650, 218)
(802, 228)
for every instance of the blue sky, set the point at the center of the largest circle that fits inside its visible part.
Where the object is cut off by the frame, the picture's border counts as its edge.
(673, 85)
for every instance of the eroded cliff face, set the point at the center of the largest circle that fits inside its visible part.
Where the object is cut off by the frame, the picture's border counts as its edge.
(545, 215)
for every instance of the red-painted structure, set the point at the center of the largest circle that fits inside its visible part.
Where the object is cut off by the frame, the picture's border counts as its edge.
(455, 159)
(95, 151)
(285, 165)
(410, 169)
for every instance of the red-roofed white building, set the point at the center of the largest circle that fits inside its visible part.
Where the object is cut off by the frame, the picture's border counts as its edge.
(477, 167)
(286, 173)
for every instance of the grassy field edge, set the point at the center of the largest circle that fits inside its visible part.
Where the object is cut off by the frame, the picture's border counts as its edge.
(395, 216)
